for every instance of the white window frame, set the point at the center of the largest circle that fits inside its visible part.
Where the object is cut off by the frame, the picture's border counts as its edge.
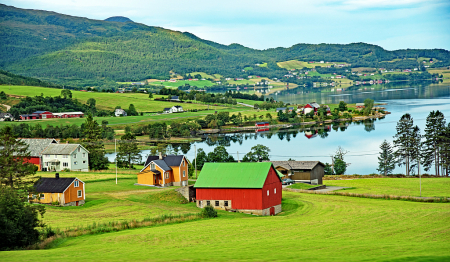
(56, 156)
(152, 166)
(76, 184)
(79, 193)
(47, 156)
(75, 163)
(84, 155)
(74, 155)
(42, 196)
(79, 149)
(166, 175)
(65, 164)
(65, 156)
(46, 164)
(267, 192)
(184, 173)
(274, 190)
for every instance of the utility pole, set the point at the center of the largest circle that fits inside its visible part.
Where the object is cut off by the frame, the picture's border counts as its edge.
(195, 162)
(115, 152)
(420, 179)
(238, 156)
(332, 165)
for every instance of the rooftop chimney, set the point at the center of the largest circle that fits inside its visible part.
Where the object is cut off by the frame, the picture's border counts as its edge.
(57, 175)
(160, 155)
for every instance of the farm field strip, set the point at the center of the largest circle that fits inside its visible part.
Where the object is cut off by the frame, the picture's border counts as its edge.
(339, 228)
(431, 187)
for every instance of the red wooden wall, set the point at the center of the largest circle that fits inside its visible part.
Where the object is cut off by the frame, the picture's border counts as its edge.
(247, 198)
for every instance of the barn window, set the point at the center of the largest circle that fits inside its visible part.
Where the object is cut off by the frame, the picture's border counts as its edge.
(267, 192)
(274, 190)
(77, 184)
(208, 203)
(217, 203)
(79, 193)
(225, 203)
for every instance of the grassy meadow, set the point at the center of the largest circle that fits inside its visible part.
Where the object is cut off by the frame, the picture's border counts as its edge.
(310, 228)
(431, 187)
(103, 100)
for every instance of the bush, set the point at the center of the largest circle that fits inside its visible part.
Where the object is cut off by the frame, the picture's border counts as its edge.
(18, 220)
(209, 211)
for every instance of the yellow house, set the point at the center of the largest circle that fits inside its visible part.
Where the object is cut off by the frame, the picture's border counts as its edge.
(65, 191)
(164, 171)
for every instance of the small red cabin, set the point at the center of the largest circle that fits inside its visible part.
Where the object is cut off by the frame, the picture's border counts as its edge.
(262, 124)
(244, 187)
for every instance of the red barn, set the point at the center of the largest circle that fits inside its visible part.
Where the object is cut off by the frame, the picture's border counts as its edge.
(35, 147)
(245, 187)
(44, 114)
(262, 124)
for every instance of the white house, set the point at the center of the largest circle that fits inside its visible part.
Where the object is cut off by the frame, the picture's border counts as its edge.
(120, 112)
(176, 109)
(57, 157)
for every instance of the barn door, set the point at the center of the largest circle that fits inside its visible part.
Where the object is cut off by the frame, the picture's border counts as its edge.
(272, 211)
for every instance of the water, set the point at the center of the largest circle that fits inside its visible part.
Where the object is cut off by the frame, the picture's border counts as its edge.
(361, 141)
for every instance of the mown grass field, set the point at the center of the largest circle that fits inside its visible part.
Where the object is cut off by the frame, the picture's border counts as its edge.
(431, 187)
(198, 83)
(311, 228)
(119, 122)
(103, 100)
(295, 64)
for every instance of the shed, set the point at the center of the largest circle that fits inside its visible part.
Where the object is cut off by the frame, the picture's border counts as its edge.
(312, 171)
(244, 187)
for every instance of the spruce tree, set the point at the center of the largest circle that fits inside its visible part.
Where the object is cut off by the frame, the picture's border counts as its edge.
(434, 127)
(93, 143)
(403, 141)
(128, 151)
(386, 160)
(15, 169)
(444, 138)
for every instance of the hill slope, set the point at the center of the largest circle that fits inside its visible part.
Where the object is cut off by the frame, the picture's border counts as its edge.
(80, 51)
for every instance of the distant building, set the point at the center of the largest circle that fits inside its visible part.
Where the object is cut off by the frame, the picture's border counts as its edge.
(6, 116)
(167, 110)
(176, 109)
(68, 115)
(310, 171)
(120, 112)
(174, 98)
(35, 147)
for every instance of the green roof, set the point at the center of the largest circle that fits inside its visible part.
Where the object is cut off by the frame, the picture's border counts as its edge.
(279, 174)
(233, 175)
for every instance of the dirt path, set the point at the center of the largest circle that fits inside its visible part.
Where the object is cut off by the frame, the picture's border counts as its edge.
(7, 107)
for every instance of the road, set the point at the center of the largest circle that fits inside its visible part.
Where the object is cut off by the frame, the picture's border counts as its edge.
(7, 107)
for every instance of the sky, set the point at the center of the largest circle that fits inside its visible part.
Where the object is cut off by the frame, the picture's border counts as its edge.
(262, 24)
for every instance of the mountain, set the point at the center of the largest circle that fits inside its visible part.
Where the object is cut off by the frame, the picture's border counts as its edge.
(7, 78)
(80, 51)
(121, 19)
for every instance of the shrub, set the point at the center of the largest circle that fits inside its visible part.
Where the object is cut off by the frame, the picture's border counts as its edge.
(209, 211)
(18, 220)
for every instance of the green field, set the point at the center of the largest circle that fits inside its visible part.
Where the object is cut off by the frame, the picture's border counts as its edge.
(198, 83)
(103, 100)
(295, 64)
(301, 186)
(140, 120)
(311, 228)
(431, 187)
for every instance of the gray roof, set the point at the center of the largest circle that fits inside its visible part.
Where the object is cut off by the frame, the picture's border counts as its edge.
(53, 185)
(171, 160)
(167, 109)
(37, 145)
(162, 164)
(314, 104)
(61, 149)
(5, 114)
(296, 164)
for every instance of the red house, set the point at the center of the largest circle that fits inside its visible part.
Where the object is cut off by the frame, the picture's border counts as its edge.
(262, 124)
(244, 187)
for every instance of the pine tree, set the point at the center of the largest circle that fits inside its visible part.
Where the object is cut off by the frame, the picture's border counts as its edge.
(128, 150)
(445, 149)
(386, 160)
(434, 126)
(402, 141)
(15, 170)
(93, 143)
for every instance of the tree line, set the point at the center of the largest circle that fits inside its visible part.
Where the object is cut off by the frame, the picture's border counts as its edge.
(415, 150)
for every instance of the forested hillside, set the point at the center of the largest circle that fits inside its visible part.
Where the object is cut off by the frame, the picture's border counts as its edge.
(79, 51)
(7, 78)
